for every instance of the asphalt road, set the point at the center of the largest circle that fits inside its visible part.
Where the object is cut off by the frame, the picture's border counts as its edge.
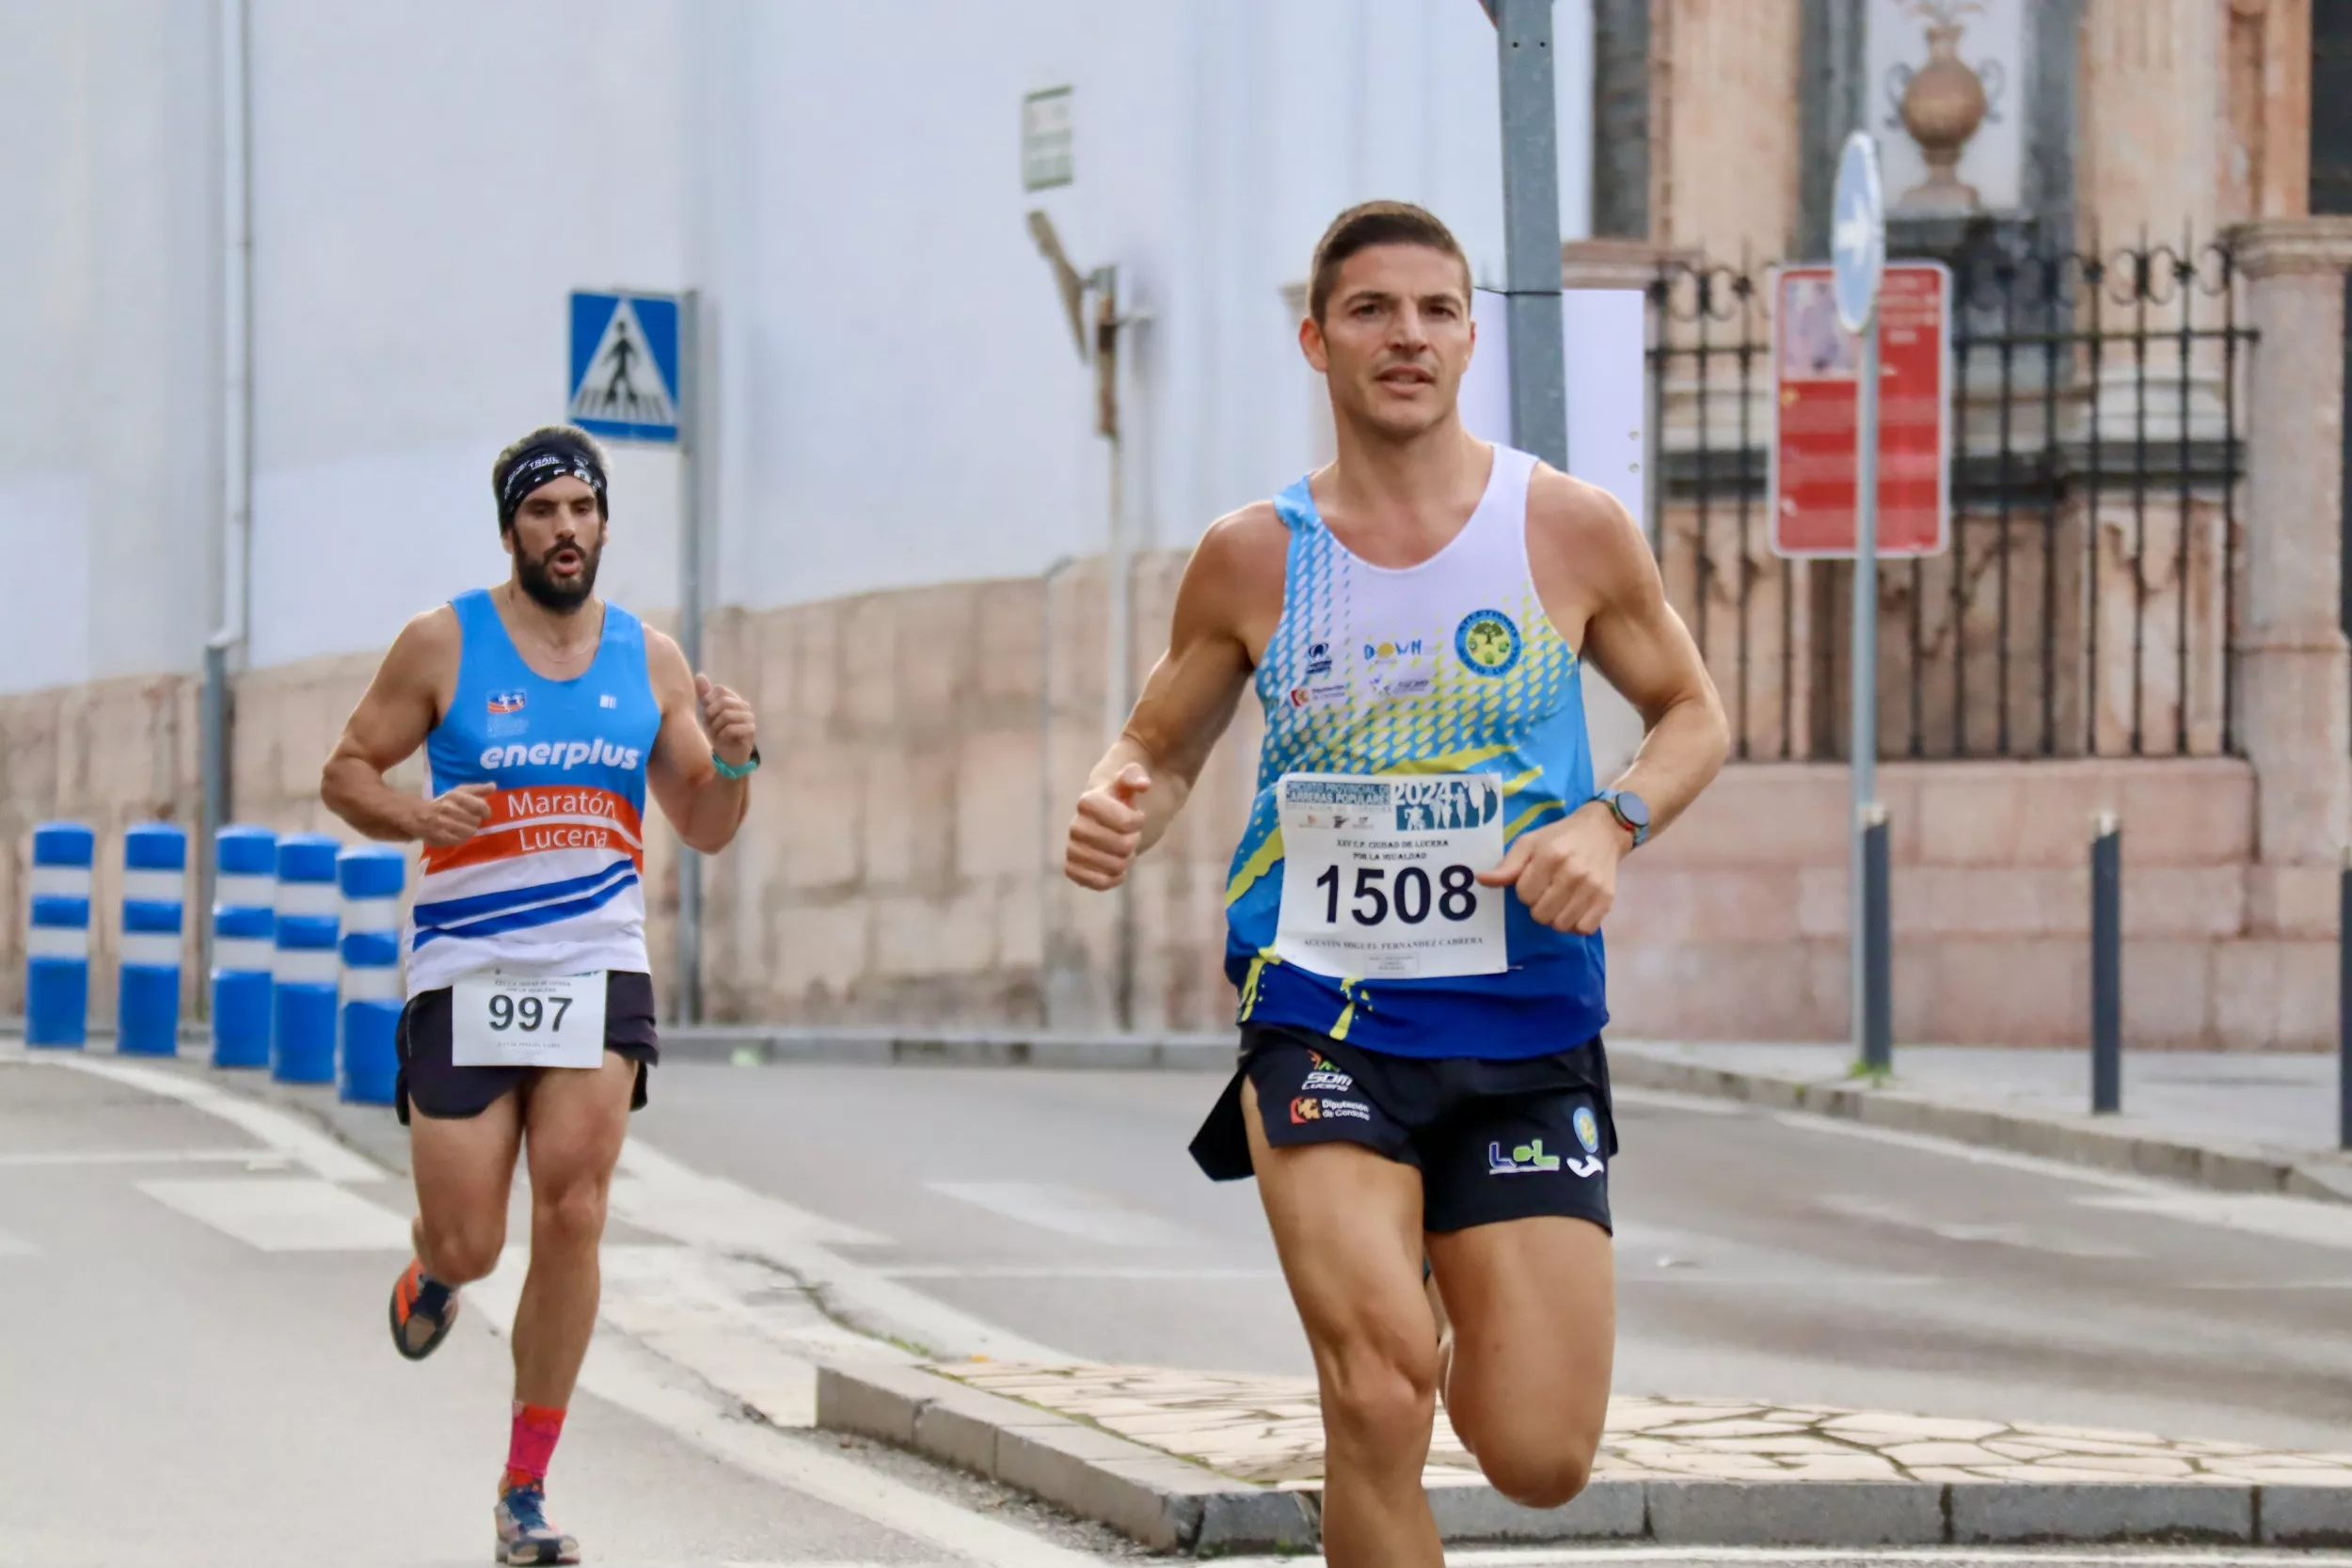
(194, 1369)
(1760, 1255)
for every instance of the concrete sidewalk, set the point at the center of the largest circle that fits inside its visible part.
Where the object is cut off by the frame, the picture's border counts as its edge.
(2235, 1121)
(1206, 1463)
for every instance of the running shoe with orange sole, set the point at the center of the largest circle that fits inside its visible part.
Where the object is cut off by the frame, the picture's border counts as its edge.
(423, 1311)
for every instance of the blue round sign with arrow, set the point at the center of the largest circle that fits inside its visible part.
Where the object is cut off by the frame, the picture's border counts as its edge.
(1857, 232)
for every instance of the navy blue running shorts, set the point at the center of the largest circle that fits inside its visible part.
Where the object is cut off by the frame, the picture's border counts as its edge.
(439, 1089)
(1493, 1140)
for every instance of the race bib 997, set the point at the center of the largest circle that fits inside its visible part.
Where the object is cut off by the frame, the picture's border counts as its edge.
(528, 1020)
(1380, 876)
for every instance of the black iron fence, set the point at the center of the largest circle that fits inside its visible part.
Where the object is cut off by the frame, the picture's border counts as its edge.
(2086, 601)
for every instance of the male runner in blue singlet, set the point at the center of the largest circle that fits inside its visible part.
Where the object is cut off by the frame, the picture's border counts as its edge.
(546, 713)
(1415, 906)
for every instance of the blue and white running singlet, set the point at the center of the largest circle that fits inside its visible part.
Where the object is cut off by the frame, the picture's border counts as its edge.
(551, 883)
(1418, 721)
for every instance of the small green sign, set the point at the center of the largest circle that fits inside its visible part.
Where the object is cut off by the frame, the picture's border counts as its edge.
(1045, 140)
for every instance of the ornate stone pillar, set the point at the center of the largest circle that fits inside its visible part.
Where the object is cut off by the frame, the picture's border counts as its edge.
(2150, 166)
(2266, 166)
(1724, 126)
(2152, 106)
(2294, 681)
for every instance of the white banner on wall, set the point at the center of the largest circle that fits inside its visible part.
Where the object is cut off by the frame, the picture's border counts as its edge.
(1603, 328)
(1603, 331)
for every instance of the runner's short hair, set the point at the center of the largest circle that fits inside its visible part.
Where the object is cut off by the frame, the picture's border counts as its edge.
(1372, 223)
(567, 439)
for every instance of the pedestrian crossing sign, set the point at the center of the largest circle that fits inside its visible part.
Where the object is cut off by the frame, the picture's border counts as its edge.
(624, 366)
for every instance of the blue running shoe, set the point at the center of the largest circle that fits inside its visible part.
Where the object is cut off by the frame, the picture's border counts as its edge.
(524, 1534)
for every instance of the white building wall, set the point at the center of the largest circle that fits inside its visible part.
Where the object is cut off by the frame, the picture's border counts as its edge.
(107, 435)
(430, 182)
(896, 398)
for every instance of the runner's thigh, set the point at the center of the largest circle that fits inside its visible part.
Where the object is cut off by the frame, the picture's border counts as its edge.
(1534, 1307)
(575, 1119)
(464, 1169)
(1347, 1225)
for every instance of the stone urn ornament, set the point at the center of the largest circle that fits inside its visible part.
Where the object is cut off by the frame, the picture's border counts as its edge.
(1943, 104)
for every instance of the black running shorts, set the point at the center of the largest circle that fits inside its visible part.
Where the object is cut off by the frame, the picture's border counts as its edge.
(441, 1090)
(1493, 1140)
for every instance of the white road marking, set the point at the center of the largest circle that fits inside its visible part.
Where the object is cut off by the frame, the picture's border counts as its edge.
(257, 1159)
(298, 1214)
(625, 1374)
(1090, 1216)
(1974, 1154)
(2024, 1237)
(1062, 1271)
(2309, 1221)
(708, 1317)
(2272, 1214)
(2265, 1285)
(719, 1212)
(667, 1199)
(299, 1142)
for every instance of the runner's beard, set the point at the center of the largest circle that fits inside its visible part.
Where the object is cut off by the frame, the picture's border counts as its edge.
(540, 581)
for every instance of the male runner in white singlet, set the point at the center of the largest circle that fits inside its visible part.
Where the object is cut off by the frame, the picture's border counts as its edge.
(545, 712)
(1414, 910)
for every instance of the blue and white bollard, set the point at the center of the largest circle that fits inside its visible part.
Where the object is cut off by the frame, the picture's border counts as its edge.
(304, 969)
(57, 942)
(245, 941)
(154, 894)
(370, 878)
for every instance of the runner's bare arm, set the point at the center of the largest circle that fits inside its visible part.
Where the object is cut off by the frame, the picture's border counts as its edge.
(1233, 584)
(698, 717)
(1634, 638)
(1586, 551)
(395, 716)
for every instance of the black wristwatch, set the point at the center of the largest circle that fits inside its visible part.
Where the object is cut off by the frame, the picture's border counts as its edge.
(1630, 810)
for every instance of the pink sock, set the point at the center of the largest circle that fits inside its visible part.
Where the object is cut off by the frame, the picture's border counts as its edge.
(531, 1446)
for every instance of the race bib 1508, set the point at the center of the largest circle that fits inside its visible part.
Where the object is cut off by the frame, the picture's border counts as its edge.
(499, 1020)
(1380, 876)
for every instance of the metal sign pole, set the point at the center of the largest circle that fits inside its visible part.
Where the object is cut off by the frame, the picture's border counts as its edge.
(1531, 228)
(1858, 252)
(688, 987)
(1870, 1051)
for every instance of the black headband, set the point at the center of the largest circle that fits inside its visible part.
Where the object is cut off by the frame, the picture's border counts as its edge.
(544, 464)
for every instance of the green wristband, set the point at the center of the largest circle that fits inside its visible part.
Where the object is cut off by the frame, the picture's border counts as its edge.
(728, 770)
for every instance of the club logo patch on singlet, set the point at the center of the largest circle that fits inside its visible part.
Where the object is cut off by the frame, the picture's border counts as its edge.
(1487, 641)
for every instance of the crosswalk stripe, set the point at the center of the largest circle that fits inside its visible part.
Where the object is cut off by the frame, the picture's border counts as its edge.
(52, 1158)
(298, 1214)
(1090, 1216)
(275, 1128)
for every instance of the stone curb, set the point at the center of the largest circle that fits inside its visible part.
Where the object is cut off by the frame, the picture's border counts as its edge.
(2078, 1140)
(1153, 1497)
(1170, 1504)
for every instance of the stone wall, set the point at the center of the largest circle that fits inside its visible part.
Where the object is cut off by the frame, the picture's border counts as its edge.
(1734, 925)
(923, 749)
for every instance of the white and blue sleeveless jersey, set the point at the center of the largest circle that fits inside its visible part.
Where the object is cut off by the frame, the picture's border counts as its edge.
(1450, 667)
(552, 883)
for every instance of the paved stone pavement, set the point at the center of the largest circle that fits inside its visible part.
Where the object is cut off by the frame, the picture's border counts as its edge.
(1268, 1431)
